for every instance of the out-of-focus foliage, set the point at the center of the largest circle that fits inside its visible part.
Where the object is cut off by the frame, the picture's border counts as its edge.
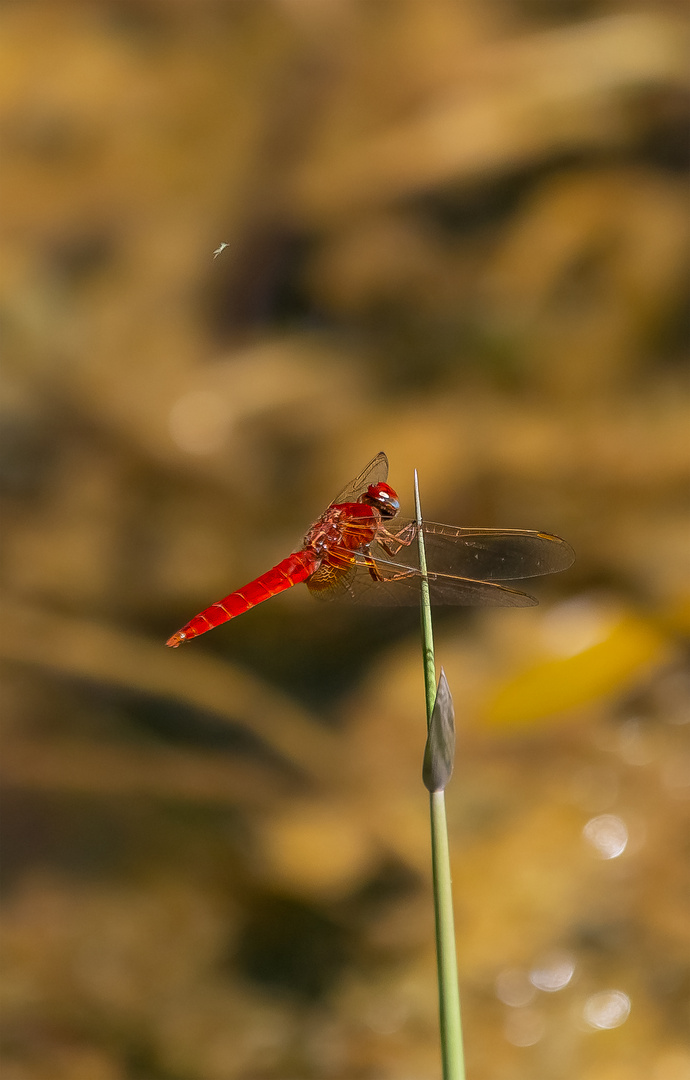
(456, 231)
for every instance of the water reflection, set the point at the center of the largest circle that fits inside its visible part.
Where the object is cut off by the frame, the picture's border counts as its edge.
(514, 988)
(608, 835)
(607, 1009)
(553, 973)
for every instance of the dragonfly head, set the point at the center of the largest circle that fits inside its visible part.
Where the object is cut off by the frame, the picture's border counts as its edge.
(383, 498)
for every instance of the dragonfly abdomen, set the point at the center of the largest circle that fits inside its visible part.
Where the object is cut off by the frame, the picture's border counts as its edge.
(291, 571)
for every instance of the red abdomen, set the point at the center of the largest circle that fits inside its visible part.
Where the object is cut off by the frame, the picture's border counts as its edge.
(291, 571)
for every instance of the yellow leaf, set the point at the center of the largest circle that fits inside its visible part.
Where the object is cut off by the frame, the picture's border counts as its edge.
(630, 649)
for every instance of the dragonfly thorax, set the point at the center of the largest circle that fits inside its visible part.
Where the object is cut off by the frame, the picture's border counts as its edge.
(324, 533)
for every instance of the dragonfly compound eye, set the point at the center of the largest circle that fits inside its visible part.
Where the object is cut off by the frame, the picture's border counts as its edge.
(383, 498)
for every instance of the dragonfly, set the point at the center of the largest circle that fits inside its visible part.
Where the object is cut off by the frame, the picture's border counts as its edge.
(362, 547)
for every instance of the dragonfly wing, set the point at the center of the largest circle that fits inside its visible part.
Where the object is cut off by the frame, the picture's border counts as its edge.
(373, 473)
(446, 589)
(484, 554)
(401, 587)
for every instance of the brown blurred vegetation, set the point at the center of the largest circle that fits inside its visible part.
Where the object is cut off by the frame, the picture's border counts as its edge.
(457, 231)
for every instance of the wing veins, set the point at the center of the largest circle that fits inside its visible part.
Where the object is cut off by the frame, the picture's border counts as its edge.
(477, 590)
(373, 473)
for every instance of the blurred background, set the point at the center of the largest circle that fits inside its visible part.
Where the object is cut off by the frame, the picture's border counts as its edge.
(456, 230)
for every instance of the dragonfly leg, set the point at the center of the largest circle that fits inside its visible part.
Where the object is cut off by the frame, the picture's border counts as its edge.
(393, 542)
(378, 576)
(373, 568)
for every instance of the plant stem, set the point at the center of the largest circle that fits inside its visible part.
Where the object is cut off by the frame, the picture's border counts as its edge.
(427, 628)
(449, 998)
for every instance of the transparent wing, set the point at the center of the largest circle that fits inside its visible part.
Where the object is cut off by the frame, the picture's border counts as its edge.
(401, 587)
(373, 473)
(479, 554)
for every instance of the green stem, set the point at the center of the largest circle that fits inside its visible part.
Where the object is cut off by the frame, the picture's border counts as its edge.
(449, 998)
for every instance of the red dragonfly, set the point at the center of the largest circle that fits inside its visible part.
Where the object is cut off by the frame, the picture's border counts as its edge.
(361, 544)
